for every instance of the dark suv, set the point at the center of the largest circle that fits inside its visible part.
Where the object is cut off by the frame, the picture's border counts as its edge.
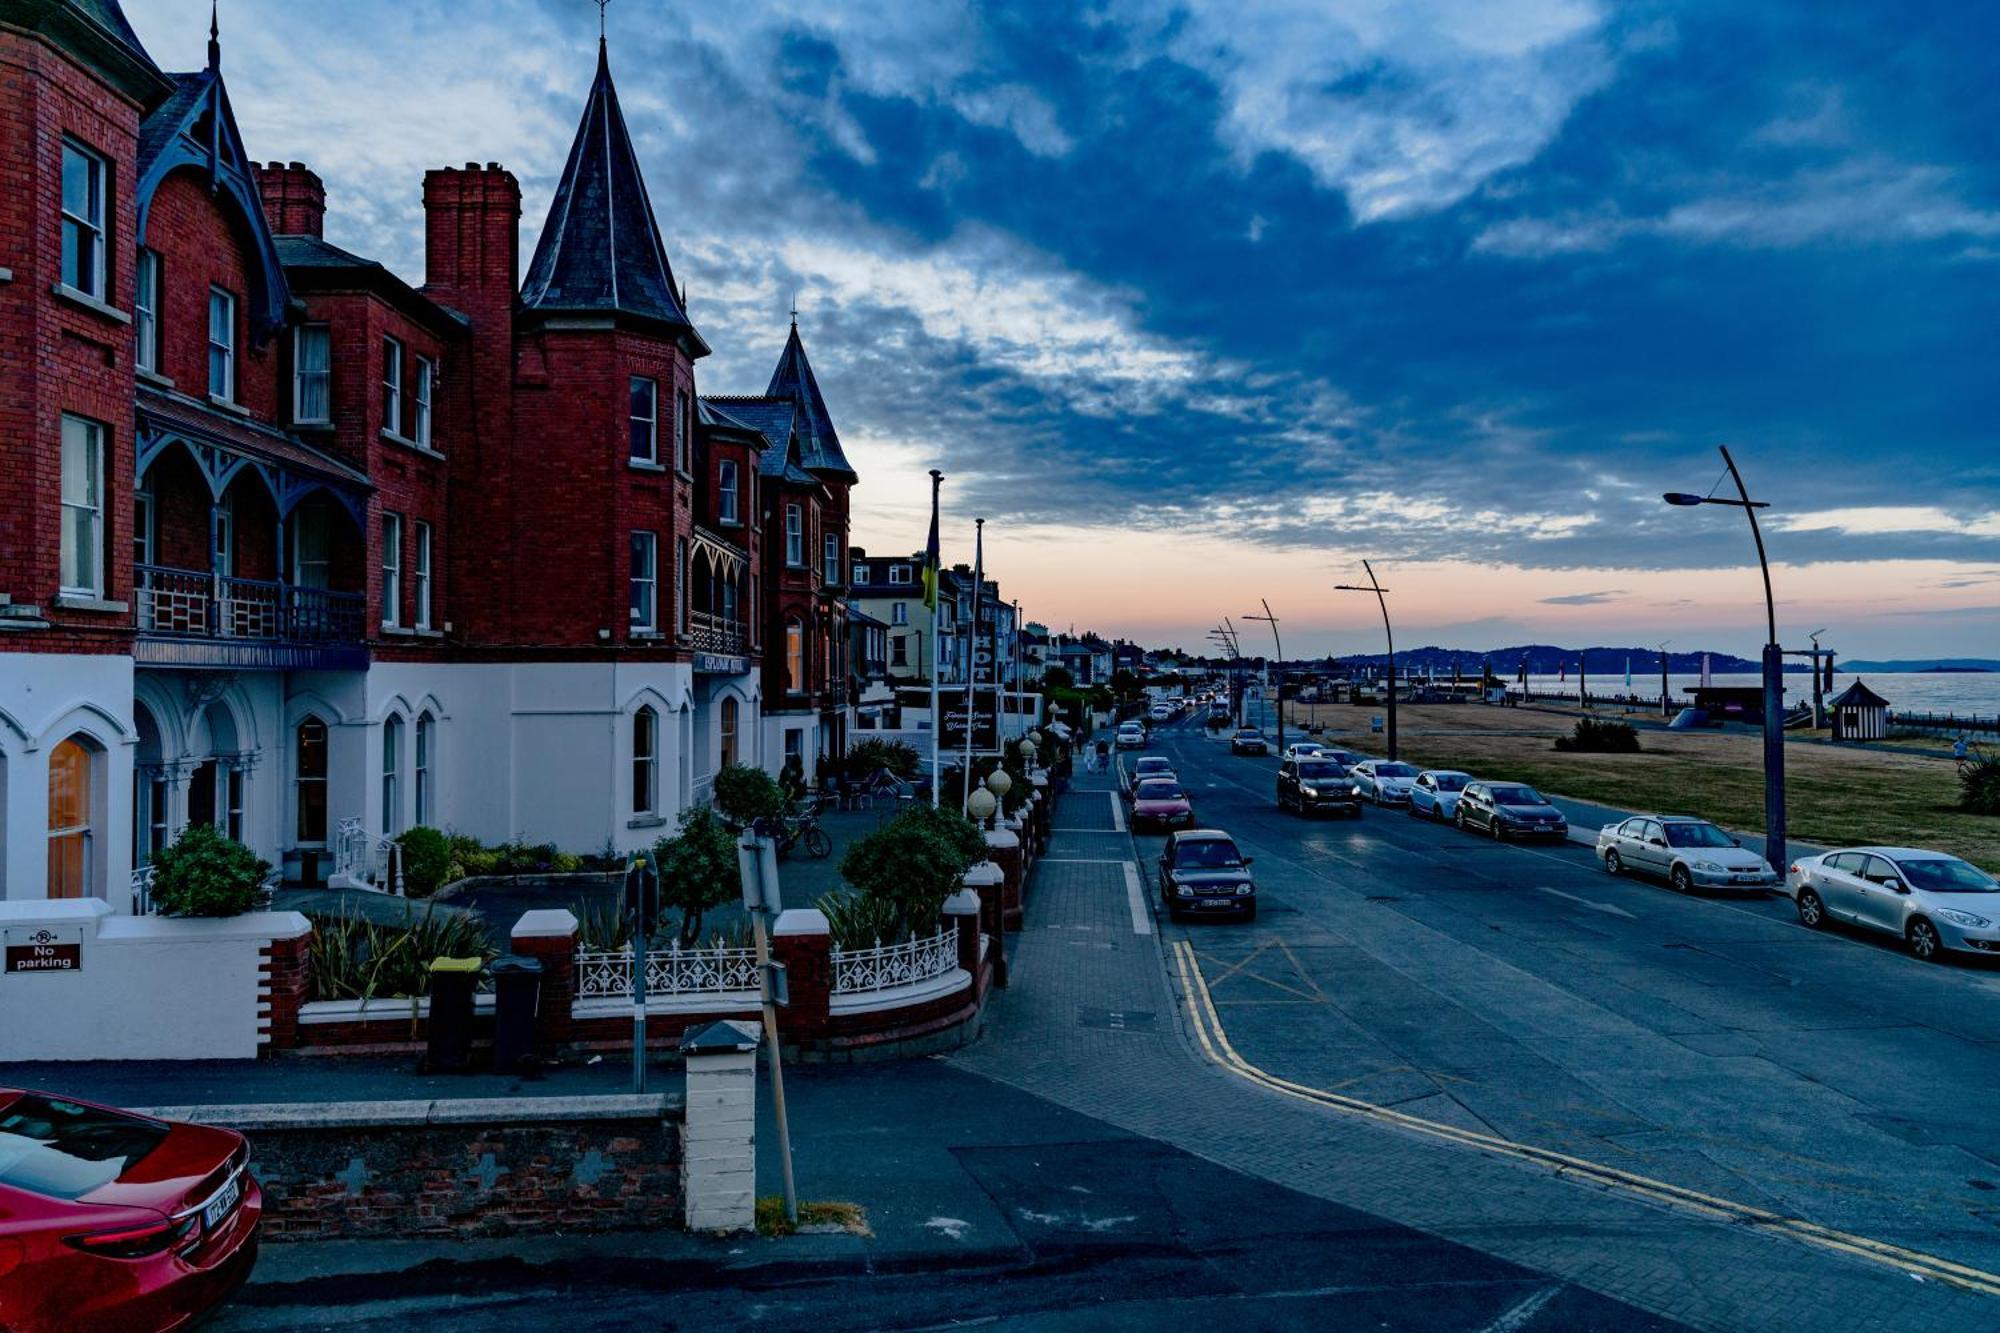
(1203, 874)
(1306, 785)
(1509, 810)
(1249, 740)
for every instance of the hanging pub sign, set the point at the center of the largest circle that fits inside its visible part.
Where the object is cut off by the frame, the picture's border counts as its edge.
(44, 948)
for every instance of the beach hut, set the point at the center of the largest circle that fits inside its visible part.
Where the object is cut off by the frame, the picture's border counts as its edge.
(1860, 714)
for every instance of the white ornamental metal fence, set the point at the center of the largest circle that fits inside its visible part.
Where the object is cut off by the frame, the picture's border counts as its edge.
(887, 966)
(671, 971)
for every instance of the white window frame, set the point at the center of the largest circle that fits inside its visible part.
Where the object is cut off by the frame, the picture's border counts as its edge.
(225, 299)
(795, 535)
(83, 510)
(900, 574)
(421, 574)
(421, 785)
(830, 551)
(91, 223)
(681, 598)
(859, 574)
(728, 506)
(645, 584)
(392, 773)
(899, 613)
(795, 657)
(646, 761)
(420, 401)
(683, 432)
(300, 375)
(146, 311)
(392, 570)
(651, 419)
(392, 386)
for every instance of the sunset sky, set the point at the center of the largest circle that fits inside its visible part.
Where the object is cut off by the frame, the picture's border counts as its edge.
(1197, 303)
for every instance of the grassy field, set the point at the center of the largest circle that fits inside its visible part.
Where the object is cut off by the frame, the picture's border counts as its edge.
(1835, 795)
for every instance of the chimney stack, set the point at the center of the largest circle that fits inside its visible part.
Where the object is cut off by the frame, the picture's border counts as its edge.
(472, 221)
(294, 199)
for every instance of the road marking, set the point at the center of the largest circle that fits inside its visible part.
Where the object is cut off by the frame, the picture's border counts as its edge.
(1142, 920)
(1117, 812)
(1611, 908)
(1214, 1040)
(1101, 832)
(1512, 1321)
(1084, 860)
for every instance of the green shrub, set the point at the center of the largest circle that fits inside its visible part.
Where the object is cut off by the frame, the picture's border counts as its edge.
(206, 874)
(1979, 787)
(914, 863)
(603, 927)
(354, 958)
(698, 869)
(865, 757)
(427, 860)
(857, 921)
(565, 863)
(745, 794)
(1593, 736)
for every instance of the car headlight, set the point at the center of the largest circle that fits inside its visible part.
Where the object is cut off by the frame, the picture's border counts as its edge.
(1711, 868)
(1309, 791)
(1354, 790)
(1958, 918)
(1243, 889)
(1184, 891)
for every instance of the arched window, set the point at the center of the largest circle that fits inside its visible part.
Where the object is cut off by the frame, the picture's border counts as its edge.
(795, 657)
(71, 774)
(728, 730)
(392, 772)
(426, 739)
(309, 773)
(645, 761)
(149, 789)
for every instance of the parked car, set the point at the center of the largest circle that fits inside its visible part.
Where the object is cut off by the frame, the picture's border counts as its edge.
(1509, 810)
(1249, 740)
(1345, 758)
(1937, 903)
(1131, 736)
(1311, 784)
(1434, 794)
(1160, 712)
(1687, 853)
(1202, 873)
(1147, 766)
(1161, 803)
(116, 1221)
(1384, 781)
(1303, 750)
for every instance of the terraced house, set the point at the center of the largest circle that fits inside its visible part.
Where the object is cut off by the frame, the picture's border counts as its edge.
(293, 547)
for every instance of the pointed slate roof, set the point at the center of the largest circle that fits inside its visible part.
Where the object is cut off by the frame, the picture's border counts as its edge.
(600, 250)
(794, 379)
(777, 420)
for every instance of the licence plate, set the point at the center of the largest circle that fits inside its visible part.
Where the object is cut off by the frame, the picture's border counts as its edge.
(1218, 902)
(219, 1207)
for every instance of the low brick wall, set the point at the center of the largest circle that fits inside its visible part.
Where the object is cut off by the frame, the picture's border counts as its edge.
(483, 1167)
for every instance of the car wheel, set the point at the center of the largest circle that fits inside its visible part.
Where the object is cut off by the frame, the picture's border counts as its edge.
(1923, 940)
(1614, 862)
(1681, 880)
(1412, 811)
(1464, 826)
(1493, 827)
(1812, 911)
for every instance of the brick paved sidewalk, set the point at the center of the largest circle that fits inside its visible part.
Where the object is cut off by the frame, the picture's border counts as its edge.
(1093, 1021)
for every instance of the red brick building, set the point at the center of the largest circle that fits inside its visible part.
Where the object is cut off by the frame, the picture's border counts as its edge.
(293, 547)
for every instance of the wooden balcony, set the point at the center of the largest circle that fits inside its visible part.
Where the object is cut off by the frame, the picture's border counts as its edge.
(192, 618)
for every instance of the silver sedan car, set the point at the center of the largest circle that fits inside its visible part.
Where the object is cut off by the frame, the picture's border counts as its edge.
(1384, 781)
(1434, 795)
(1688, 853)
(1934, 902)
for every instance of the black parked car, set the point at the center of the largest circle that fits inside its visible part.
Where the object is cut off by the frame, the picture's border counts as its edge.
(1509, 810)
(1203, 874)
(1249, 740)
(1307, 785)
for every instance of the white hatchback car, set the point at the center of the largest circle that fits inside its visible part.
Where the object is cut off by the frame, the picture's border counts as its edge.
(1936, 903)
(1434, 795)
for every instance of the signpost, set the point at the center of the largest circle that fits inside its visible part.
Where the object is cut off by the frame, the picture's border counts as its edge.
(45, 949)
(642, 914)
(757, 862)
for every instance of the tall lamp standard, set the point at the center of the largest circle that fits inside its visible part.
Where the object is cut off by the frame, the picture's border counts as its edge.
(1272, 621)
(1774, 666)
(1375, 587)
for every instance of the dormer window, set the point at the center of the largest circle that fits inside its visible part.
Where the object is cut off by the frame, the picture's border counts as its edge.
(899, 574)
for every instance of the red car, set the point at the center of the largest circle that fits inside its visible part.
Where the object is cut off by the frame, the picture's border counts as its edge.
(1161, 803)
(115, 1221)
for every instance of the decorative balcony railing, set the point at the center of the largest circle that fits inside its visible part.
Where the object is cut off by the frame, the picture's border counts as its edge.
(712, 634)
(887, 966)
(194, 604)
(673, 971)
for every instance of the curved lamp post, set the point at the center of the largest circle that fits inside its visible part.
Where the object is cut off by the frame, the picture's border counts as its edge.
(1375, 587)
(1774, 666)
(1272, 621)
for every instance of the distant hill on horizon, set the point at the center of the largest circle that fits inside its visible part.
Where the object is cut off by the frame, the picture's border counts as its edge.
(1547, 659)
(1921, 664)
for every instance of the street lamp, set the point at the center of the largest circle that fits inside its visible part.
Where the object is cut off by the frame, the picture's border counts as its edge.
(1387, 633)
(1774, 665)
(1272, 621)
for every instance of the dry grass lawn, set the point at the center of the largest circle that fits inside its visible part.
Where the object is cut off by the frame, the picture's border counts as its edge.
(1835, 795)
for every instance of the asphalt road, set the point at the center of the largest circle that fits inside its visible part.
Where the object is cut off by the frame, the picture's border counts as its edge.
(1714, 1044)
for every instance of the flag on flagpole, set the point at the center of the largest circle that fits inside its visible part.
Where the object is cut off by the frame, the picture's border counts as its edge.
(930, 601)
(931, 555)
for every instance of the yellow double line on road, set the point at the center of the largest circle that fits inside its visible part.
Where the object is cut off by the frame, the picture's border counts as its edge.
(1215, 1044)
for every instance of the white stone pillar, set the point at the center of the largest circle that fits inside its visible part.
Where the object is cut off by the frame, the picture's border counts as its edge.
(719, 1146)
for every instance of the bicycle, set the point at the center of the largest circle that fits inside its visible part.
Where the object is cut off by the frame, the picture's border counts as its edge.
(801, 825)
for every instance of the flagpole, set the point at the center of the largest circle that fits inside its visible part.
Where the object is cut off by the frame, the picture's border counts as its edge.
(972, 652)
(937, 718)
